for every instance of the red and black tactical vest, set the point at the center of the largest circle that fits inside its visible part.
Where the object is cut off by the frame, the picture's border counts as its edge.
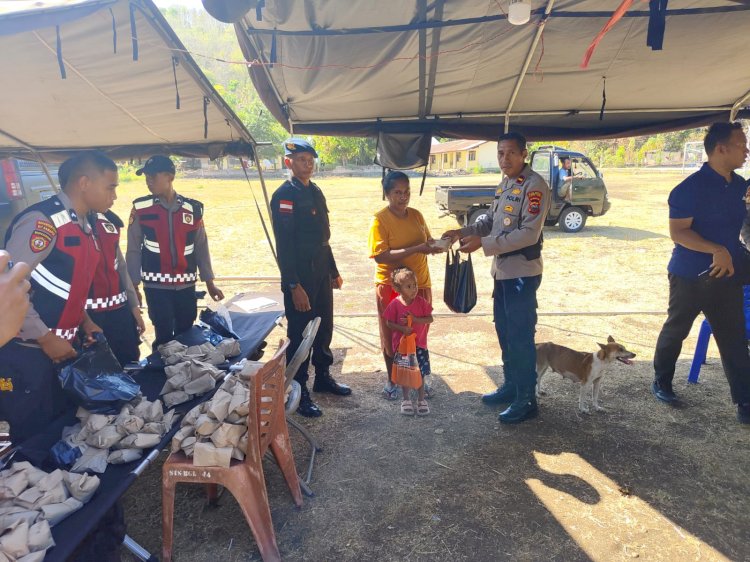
(61, 283)
(168, 250)
(107, 291)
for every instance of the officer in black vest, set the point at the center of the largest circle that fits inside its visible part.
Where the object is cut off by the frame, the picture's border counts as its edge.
(55, 238)
(308, 270)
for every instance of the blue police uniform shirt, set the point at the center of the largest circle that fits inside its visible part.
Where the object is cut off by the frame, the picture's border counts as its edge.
(718, 211)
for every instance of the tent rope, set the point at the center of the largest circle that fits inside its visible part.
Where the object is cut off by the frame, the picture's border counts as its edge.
(243, 163)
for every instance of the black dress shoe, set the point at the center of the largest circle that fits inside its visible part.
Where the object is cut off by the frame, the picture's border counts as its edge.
(503, 395)
(307, 407)
(324, 382)
(663, 392)
(743, 412)
(522, 408)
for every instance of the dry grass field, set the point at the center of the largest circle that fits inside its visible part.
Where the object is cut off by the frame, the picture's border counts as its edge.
(639, 481)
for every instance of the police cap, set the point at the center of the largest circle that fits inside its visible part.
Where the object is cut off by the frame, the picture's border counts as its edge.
(156, 164)
(295, 146)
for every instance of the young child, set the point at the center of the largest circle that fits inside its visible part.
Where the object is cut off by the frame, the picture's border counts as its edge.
(408, 303)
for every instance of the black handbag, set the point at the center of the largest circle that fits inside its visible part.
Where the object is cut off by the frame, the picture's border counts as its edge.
(460, 288)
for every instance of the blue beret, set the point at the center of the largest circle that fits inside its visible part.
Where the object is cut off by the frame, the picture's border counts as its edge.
(295, 146)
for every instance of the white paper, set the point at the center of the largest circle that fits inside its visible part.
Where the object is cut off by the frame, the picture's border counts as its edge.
(257, 303)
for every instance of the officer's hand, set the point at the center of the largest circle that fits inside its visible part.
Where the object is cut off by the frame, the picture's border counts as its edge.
(214, 291)
(470, 243)
(337, 283)
(300, 299)
(138, 320)
(56, 348)
(722, 265)
(90, 328)
(14, 297)
(426, 248)
(139, 295)
(452, 234)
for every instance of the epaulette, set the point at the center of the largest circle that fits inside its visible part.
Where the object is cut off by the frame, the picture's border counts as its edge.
(194, 206)
(143, 202)
(114, 219)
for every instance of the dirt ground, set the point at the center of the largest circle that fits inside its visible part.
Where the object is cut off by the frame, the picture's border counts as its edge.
(641, 480)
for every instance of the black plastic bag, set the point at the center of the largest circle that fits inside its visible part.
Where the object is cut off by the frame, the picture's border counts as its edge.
(460, 289)
(95, 380)
(217, 323)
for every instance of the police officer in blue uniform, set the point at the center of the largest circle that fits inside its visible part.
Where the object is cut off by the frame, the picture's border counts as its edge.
(512, 233)
(308, 269)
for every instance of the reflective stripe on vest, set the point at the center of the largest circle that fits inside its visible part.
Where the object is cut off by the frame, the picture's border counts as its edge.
(167, 278)
(68, 334)
(103, 303)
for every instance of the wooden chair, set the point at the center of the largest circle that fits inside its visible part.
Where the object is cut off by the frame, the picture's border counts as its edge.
(244, 479)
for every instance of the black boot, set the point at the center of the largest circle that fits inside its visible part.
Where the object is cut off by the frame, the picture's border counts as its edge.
(324, 382)
(307, 407)
(522, 408)
(502, 395)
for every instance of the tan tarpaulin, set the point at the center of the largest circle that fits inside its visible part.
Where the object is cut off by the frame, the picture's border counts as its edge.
(460, 69)
(124, 69)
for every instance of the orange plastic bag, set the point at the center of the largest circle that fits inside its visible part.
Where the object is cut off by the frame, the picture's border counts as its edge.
(405, 365)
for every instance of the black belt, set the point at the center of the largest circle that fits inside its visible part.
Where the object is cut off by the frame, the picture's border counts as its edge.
(533, 252)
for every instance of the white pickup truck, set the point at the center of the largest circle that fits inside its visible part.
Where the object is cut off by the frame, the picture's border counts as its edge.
(22, 183)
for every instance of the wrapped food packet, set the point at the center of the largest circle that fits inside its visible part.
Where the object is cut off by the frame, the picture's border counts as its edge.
(92, 459)
(200, 385)
(8, 519)
(240, 403)
(11, 486)
(122, 456)
(40, 537)
(188, 445)
(180, 436)
(227, 435)
(81, 486)
(205, 454)
(106, 437)
(219, 405)
(128, 423)
(229, 347)
(175, 397)
(205, 425)
(97, 421)
(56, 512)
(139, 441)
(15, 540)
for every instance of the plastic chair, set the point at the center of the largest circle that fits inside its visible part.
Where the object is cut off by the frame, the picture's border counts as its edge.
(295, 393)
(704, 336)
(244, 479)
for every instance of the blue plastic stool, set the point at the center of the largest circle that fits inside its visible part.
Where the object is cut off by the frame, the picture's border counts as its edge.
(701, 346)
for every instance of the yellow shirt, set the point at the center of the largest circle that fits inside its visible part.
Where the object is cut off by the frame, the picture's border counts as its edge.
(389, 232)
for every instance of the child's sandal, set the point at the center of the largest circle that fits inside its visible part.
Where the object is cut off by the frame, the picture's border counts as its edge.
(407, 408)
(422, 408)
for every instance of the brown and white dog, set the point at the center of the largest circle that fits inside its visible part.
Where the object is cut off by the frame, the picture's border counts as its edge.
(587, 369)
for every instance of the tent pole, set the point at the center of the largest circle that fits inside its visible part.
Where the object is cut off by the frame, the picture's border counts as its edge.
(37, 155)
(262, 180)
(527, 62)
(738, 105)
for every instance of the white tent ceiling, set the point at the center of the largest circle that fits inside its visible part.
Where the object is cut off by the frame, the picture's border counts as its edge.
(124, 70)
(460, 69)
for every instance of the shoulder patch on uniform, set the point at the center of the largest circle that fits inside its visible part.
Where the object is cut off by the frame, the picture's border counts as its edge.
(286, 206)
(42, 235)
(535, 200)
(187, 218)
(109, 227)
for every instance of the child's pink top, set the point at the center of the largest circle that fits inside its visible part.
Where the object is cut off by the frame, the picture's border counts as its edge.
(398, 310)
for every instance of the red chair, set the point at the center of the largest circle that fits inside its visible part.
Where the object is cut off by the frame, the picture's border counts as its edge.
(244, 479)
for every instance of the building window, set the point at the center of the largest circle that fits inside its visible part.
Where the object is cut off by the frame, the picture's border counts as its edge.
(472, 155)
(445, 157)
(432, 160)
(458, 157)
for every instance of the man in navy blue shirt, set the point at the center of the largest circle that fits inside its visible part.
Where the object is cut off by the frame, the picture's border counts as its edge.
(706, 212)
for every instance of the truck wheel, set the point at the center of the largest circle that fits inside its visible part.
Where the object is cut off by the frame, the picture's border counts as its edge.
(572, 219)
(477, 214)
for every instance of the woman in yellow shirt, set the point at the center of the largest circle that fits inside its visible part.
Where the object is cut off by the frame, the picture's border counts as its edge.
(398, 237)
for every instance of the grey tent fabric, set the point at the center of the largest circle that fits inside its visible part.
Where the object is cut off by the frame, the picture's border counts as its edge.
(403, 151)
(107, 74)
(460, 69)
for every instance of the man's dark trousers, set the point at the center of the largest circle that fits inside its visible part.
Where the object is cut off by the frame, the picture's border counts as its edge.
(171, 311)
(320, 293)
(721, 300)
(120, 329)
(37, 397)
(515, 317)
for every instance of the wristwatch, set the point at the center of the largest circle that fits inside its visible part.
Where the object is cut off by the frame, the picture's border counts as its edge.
(293, 286)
